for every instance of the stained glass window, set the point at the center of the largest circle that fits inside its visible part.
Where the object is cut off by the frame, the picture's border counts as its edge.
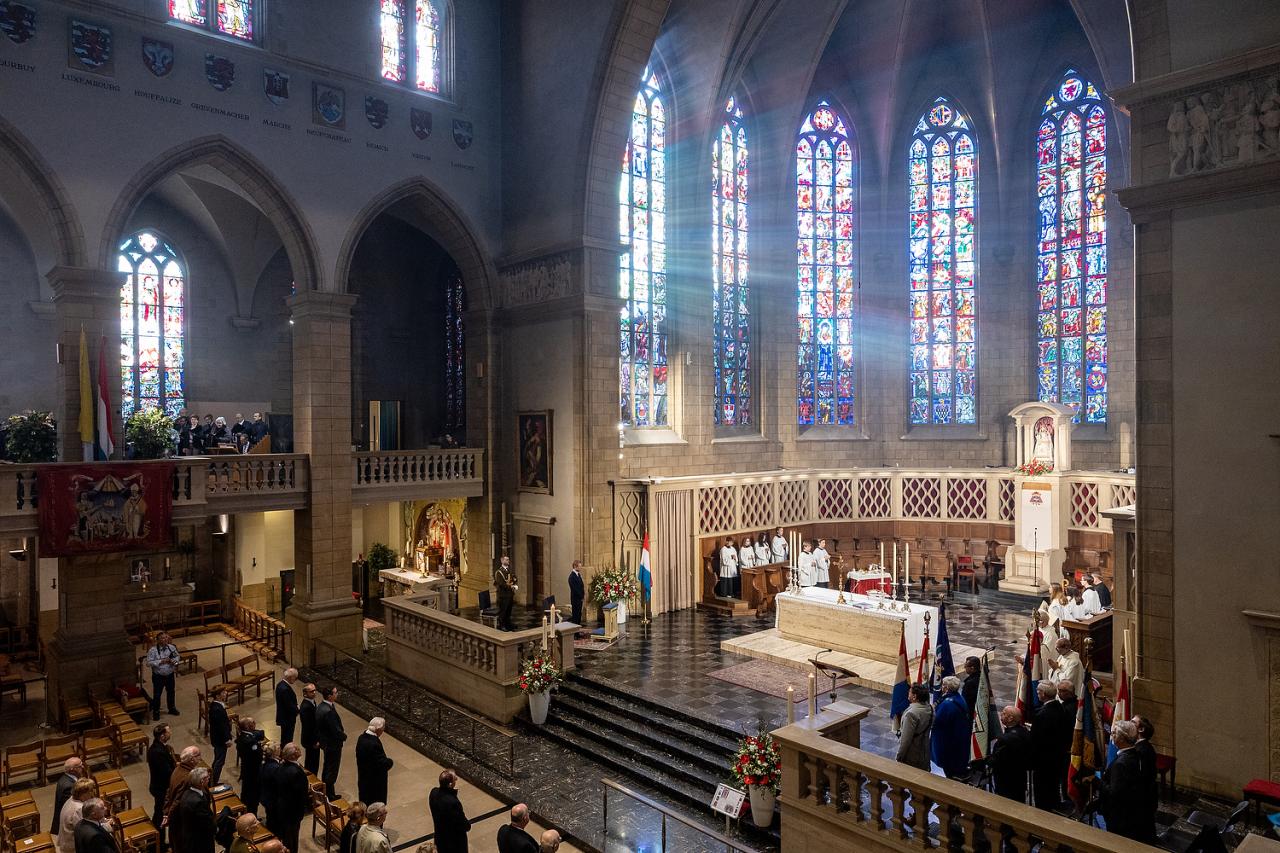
(824, 269)
(455, 373)
(642, 271)
(190, 11)
(943, 200)
(1071, 273)
(731, 342)
(233, 17)
(426, 47)
(426, 41)
(391, 27)
(152, 306)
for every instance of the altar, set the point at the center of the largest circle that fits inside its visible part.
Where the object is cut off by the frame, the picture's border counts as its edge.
(857, 627)
(398, 582)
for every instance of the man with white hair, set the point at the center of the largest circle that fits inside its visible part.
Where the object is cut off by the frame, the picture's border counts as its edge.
(73, 770)
(372, 838)
(93, 833)
(512, 837)
(195, 828)
(372, 763)
(286, 705)
(550, 842)
(1122, 799)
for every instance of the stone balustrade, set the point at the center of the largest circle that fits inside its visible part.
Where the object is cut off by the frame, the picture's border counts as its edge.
(836, 796)
(415, 474)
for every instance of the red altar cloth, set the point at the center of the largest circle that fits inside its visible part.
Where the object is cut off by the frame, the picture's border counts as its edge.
(865, 583)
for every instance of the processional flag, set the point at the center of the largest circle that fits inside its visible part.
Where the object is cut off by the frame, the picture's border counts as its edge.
(646, 577)
(901, 683)
(984, 722)
(923, 669)
(86, 401)
(943, 665)
(1030, 674)
(1087, 749)
(103, 446)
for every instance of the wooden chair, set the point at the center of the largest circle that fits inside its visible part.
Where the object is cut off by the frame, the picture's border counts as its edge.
(202, 711)
(99, 743)
(138, 836)
(22, 818)
(212, 680)
(117, 794)
(131, 816)
(129, 738)
(56, 752)
(129, 695)
(38, 843)
(13, 685)
(261, 675)
(237, 679)
(73, 714)
(19, 760)
(327, 815)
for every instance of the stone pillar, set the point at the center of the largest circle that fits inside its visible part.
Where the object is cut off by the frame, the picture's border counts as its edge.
(88, 299)
(323, 607)
(90, 647)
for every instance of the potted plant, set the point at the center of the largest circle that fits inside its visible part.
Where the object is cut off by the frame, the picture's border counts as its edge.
(757, 765)
(31, 437)
(538, 675)
(150, 433)
(611, 585)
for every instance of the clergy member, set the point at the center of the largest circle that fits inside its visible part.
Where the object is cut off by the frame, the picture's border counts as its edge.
(1068, 666)
(822, 565)
(779, 546)
(1092, 603)
(764, 555)
(728, 569)
(804, 564)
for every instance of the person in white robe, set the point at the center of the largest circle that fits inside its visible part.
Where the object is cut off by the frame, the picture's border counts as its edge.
(804, 564)
(779, 547)
(1092, 604)
(1068, 666)
(728, 569)
(746, 554)
(1077, 610)
(822, 565)
(764, 554)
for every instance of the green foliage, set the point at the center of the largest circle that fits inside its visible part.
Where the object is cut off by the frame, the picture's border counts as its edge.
(380, 557)
(150, 432)
(32, 437)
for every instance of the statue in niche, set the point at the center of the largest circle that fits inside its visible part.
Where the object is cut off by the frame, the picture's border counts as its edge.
(1042, 450)
(1198, 120)
(1177, 127)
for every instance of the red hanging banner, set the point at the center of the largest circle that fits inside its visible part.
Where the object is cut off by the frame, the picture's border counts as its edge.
(95, 509)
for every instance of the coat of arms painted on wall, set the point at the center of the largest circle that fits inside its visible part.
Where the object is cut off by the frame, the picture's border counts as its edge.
(17, 21)
(275, 85)
(328, 106)
(89, 48)
(157, 56)
(463, 133)
(420, 122)
(88, 509)
(219, 71)
(376, 111)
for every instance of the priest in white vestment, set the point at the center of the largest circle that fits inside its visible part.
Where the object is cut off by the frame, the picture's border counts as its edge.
(822, 565)
(804, 564)
(1068, 666)
(779, 547)
(728, 569)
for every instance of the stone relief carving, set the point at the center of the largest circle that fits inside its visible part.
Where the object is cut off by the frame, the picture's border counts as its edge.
(546, 278)
(1239, 123)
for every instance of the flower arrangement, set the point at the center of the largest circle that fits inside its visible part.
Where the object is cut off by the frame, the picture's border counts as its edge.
(1034, 467)
(757, 762)
(538, 674)
(610, 584)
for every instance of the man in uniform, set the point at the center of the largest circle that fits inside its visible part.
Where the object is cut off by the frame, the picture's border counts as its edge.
(505, 580)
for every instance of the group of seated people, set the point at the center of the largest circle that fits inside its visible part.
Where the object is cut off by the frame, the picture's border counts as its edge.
(194, 438)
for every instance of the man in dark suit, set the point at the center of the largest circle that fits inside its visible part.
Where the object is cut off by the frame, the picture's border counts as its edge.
(73, 770)
(91, 836)
(310, 740)
(161, 762)
(1046, 746)
(372, 764)
(972, 678)
(219, 732)
(511, 836)
(292, 797)
(1104, 593)
(447, 816)
(194, 815)
(331, 734)
(1011, 756)
(249, 751)
(1121, 797)
(1150, 775)
(505, 581)
(577, 591)
(286, 705)
(258, 430)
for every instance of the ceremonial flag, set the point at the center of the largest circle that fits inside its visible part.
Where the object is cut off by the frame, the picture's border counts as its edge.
(1120, 711)
(984, 722)
(646, 578)
(901, 685)
(103, 444)
(86, 402)
(943, 666)
(1087, 749)
(1030, 674)
(924, 657)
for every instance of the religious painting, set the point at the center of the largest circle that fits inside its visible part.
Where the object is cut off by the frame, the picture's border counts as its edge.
(140, 571)
(89, 48)
(534, 440)
(17, 21)
(328, 106)
(93, 509)
(157, 56)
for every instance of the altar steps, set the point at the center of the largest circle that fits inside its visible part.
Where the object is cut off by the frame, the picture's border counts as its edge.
(726, 607)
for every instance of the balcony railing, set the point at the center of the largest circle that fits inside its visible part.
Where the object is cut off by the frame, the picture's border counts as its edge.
(406, 474)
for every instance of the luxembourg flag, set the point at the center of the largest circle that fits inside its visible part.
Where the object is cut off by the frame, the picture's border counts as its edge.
(1030, 674)
(924, 659)
(646, 577)
(103, 445)
(901, 684)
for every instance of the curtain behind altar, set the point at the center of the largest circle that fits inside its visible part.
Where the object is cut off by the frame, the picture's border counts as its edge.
(673, 555)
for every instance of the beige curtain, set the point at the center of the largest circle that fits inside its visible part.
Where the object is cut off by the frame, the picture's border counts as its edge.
(672, 543)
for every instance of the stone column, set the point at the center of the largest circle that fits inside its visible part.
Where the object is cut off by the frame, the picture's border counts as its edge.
(323, 607)
(88, 299)
(90, 647)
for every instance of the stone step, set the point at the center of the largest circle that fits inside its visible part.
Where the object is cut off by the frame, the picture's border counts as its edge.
(674, 722)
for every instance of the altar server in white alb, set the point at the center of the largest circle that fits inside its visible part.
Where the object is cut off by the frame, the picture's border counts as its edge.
(764, 555)
(779, 547)
(822, 565)
(728, 568)
(746, 552)
(805, 564)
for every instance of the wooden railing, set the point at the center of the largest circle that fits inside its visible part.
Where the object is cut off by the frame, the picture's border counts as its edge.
(855, 800)
(440, 473)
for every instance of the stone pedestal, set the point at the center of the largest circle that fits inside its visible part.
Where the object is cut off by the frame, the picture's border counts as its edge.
(323, 607)
(88, 299)
(90, 646)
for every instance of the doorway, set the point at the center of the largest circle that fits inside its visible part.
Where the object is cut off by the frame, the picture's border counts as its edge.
(537, 569)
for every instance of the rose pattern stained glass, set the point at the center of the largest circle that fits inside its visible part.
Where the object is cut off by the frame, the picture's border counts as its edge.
(731, 333)
(152, 316)
(642, 268)
(825, 286)
(942, 199)
(1071, 267)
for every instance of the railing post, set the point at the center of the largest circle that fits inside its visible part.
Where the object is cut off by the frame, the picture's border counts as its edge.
(605, 812)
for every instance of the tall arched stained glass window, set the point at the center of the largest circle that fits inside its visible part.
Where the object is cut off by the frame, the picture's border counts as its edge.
(824, 269)
(943, 193)
(1071, 276)
(642, 273)
(425, 49)
(732, 334)
(152, 321)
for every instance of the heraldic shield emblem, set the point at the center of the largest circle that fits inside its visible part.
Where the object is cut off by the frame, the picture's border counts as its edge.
(91, 47)
(157, 56)
(219, 71)
(275, 85)
(18, 22)
(328, 105)
(420, 122)
(376, 111)
(462, 133)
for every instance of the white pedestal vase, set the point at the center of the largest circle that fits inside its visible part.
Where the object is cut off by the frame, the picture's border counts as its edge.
(622, 612)
(539, 704)
(762, 802)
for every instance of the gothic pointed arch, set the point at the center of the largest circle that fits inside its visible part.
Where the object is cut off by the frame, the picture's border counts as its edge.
(31, 183)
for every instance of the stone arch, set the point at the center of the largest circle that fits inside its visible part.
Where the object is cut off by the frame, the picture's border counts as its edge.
(23, 167)
(241, 167)
(450, 229)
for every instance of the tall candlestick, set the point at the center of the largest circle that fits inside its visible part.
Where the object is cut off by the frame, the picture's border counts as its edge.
(882, 555)
(906, 571)
(544, 633)
(813, 695)
(791, 704)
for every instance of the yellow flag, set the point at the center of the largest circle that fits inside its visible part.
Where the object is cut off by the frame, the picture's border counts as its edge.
(86, 399)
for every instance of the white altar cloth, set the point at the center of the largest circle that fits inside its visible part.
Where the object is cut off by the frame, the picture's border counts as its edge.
(825, 599)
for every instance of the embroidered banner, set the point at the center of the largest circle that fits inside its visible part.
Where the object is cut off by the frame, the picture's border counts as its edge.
(93, 509)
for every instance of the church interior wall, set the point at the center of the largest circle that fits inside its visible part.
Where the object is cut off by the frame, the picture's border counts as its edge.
(263, 548)
(1204, 32)
(26, 371)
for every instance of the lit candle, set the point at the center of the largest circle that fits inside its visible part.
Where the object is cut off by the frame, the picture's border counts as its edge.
(906, 569)
(544, 633)
(882, 554)
(813, 695)
(791, 704)
(895, 561)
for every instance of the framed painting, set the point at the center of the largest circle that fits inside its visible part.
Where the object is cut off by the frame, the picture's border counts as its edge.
(533, 438)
